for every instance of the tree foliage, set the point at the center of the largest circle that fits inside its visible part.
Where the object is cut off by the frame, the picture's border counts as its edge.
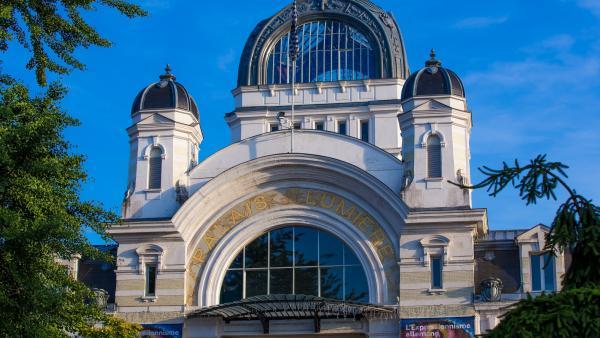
(574, 312)
(41, 219)
(570, 313)
(51, 30)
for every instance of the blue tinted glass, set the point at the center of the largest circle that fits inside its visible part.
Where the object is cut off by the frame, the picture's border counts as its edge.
(356, 288)
(436, 273)
(256, 283)
(332, 283)
(307, 281)
(342, 128)
(306, 248)
(364, 131)
(257, 253)
(238, 262)
(281, 281)
(536, 278)
(329, 51)
(299, 260)
(349, 257)
(330, 249)
(282, 247)
(549, 284)
(232, 286)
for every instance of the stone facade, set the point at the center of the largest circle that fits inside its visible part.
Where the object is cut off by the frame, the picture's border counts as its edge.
(372, 188)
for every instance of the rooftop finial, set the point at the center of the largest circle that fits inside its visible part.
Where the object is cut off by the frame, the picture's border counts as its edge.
(168, 75)
(432, 62)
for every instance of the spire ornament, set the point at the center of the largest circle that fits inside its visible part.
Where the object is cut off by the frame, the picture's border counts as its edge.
(432, 62)
(168, 75)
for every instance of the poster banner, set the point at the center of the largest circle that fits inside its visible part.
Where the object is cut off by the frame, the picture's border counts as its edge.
(162, 331)
(449, 327)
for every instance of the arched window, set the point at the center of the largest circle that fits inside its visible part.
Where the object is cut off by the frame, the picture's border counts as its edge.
(329, 51)
(434, 157)
(155, 168)
(296, 260)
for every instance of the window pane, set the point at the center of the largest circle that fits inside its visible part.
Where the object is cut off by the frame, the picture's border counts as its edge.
(302, 260)
(238, 262)
(329, 51)
(331, 249)
(436, 272)
(332, 283)
(357, 289)
(155, 168)
(282, 247)
(306, 246)
(342, 128)
(364, 131)
(307, 281)
(434, 157)
(256, 283)
(257, 252)
(536, 278)
(549, 273)
(150, 280)
(281, 281)
(349, 257)
(232, 289)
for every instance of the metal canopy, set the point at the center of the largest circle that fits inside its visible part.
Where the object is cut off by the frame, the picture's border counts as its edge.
(281, 307)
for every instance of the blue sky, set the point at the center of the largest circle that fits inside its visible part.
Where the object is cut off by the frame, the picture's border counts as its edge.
(531, 71)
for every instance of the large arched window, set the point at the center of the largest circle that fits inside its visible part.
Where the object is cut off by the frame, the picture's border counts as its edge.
(329, 51)
(155, 168)
(296, 260)
(434, 157)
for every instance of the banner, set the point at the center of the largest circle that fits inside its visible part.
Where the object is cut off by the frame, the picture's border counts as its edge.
(449, 327)
(162, 331)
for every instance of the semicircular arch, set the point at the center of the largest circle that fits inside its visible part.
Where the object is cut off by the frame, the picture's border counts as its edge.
(209, 283)
(256, 189)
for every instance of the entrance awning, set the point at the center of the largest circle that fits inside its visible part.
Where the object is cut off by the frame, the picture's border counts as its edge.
(282, 307)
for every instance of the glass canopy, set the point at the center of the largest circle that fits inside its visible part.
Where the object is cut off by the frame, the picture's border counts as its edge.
(296, 260)
(329, 51)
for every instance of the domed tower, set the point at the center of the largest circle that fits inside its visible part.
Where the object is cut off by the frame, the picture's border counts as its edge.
(164, 140)
(436, 128)
(350, 67)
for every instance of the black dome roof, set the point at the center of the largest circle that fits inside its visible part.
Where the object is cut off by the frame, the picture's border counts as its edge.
(165, 94)
(433, 79)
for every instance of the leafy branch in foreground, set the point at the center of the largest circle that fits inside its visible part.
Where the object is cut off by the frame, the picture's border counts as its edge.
(41, 219)
(576, 228)
(51, 30)
(570, 313)
(576, 225)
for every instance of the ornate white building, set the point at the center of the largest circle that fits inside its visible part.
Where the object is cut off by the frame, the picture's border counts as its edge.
(352, 231)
